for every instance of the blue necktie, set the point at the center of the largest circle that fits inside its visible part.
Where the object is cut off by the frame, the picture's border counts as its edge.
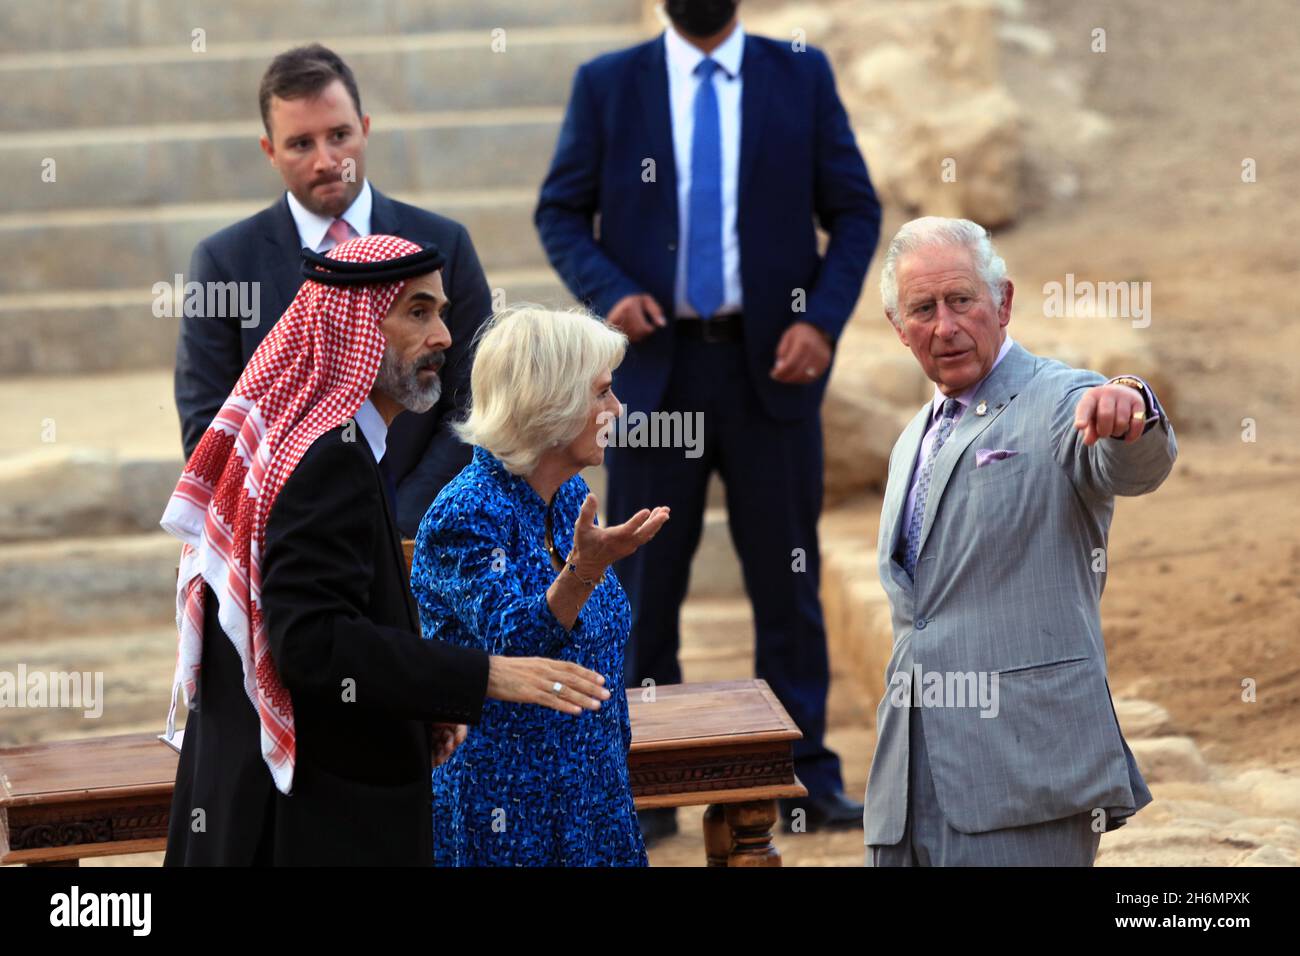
(704, 288)
(946, 417)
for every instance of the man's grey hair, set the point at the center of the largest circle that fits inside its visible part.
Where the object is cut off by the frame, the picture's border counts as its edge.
(942, 231)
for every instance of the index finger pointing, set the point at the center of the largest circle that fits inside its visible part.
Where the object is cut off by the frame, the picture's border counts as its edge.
(1083, 411)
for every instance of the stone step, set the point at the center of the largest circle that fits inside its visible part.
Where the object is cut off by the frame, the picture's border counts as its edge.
(192, 164)
(859, 632)
(1170, 758)
(395, 74)
(717, 639)
(127, 454)
(70, 586)
(1141, 719)
(67, 586)
(130, 415)
(107, 26)
(125, 249)
(64, 492)
(134, 667)
(114, 330)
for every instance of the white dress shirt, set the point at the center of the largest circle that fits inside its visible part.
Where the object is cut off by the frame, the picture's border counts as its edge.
(312, 228)
(682, 59)
(372, 428)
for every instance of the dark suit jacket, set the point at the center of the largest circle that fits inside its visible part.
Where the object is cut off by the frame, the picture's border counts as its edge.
(345, 638)
(423, 452)
(799, 164)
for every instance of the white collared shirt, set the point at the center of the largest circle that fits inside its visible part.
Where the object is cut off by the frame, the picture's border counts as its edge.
(682, 59)
(312, 228)
(372, 428)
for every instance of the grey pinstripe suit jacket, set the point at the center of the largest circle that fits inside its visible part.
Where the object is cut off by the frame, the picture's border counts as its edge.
(1005, 582)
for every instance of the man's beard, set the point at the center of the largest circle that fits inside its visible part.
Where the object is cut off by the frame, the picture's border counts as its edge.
(401, 381)
(330, 209)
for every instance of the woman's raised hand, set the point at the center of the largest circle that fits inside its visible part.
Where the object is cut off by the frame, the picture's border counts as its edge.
(596, 548)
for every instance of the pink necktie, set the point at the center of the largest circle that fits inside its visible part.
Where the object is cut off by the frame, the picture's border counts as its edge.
(339, 231)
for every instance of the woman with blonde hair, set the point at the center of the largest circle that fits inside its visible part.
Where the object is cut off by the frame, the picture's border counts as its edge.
(509, 558)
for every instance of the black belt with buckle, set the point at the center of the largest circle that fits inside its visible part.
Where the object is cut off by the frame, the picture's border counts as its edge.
(720, 328)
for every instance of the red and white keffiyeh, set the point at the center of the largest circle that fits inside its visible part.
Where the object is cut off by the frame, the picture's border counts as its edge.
(309, 375)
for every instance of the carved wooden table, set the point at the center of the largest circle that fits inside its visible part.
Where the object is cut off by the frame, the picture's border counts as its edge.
(727, 745)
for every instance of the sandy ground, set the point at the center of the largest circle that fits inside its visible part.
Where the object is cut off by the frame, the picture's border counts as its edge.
(1203, 591)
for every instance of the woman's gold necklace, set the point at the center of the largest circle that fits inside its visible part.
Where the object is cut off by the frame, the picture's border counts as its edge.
(556, 561)
(562, 564)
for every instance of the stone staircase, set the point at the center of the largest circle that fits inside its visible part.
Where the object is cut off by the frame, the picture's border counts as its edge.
(154, 146)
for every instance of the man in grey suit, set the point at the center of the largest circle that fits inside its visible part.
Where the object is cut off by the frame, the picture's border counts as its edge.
(997, 742)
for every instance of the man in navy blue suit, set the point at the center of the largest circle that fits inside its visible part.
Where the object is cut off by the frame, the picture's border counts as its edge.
(710, 158)
(316, 138)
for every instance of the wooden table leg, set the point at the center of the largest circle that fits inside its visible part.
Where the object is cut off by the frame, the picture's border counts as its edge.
(751, 833)
(717, 835)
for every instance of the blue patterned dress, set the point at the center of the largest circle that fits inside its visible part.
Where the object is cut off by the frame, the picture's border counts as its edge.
(530, 786)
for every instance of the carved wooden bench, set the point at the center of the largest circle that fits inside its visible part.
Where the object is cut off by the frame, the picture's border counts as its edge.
(727, 745)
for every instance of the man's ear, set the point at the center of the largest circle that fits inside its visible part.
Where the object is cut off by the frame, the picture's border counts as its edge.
(1008, 293)
(365, 125)
(267, 148)
(898, 329)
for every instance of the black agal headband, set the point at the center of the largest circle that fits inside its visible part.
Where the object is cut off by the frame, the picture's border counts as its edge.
(328, 271)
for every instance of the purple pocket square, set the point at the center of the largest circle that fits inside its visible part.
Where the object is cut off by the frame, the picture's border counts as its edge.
(984, 456)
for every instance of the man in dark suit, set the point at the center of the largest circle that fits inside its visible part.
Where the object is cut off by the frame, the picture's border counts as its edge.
(710, 157)
(313, 697)
(316, 138)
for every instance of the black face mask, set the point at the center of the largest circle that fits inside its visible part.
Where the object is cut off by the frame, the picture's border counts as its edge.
(700, 18)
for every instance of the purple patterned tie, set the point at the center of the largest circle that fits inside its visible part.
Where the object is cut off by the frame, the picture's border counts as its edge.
(947, 416)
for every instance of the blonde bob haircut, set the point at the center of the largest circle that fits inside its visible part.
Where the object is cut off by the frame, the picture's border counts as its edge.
(531, 382)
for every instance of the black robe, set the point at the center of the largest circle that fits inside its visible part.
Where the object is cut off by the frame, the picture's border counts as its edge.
(340, 618)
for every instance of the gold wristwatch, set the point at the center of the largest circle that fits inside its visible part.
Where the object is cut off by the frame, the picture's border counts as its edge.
(1132, 382)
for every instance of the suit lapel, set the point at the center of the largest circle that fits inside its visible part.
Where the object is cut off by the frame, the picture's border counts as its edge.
(384, 217)
(652, 86)
(1002, 385)
(753, 109)
(283, 237)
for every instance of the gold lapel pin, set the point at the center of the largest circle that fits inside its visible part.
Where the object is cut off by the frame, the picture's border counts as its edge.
(982, 408)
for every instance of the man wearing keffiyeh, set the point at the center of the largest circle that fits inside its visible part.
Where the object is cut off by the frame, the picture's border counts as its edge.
(293, 589)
